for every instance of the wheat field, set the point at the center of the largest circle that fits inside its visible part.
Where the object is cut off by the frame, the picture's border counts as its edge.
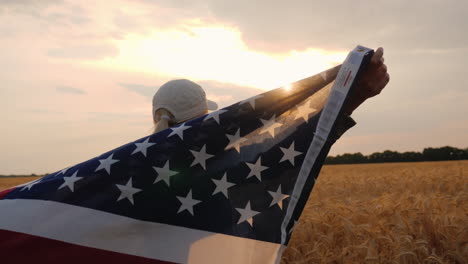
(380, 213)
(7, 182)
(385, 213)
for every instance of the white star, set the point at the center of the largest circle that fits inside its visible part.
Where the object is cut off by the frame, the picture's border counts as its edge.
(164, 173)
(30, 184)
(179, 130)
(200, 157)
(62, 171)
(251, 100)
(324, 75)
(127, 191)
(270, 125)
(304, 110)
(289, 153)
(222, 186)
(235, 141)
(106, 163)
(143, 147)
(187, 203)
(256, 169)
(70, 181)
(277, 197)
(247, 214)
(214, 115)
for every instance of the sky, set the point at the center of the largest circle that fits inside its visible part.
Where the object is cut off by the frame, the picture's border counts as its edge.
(77, 77)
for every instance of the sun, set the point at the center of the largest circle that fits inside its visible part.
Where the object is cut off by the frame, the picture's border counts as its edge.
(287, 87)
(216, 52)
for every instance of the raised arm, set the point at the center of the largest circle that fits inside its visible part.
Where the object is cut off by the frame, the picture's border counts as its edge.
(371, 82)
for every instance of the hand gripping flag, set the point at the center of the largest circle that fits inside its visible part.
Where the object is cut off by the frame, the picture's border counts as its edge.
(227, 187)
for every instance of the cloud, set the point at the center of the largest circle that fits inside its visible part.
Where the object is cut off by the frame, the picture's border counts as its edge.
(42, 111)
(279, 26)
(226, 93)
(98, 51)
(69, 90)
(51, 12)
(144, 90)
(222, 93)
(115, 116)
(17, 5)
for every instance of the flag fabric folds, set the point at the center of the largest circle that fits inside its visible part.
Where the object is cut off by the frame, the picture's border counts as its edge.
(227, 187)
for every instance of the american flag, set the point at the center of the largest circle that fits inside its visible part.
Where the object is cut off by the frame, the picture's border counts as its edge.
(227, 187)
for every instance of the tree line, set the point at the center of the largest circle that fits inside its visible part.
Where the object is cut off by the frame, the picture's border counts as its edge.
(428, 154)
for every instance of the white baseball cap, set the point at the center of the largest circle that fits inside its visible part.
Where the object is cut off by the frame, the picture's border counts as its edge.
(183, 98)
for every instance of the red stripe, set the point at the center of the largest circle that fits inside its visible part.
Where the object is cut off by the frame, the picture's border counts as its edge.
(22, 248)
(347, 78)
(5, 192)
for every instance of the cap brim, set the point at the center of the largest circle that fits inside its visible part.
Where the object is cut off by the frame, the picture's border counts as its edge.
(211, 105)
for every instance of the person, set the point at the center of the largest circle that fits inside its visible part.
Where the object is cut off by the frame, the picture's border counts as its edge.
(178, 101)
(181, 100)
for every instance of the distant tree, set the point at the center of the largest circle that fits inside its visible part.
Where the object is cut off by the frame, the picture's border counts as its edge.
(347, 158)
(428, 154)
(386, 156)
(411, 156)
(443, 153)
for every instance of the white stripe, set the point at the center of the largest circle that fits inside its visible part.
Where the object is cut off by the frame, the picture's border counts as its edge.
(97, 229)
(324, 126)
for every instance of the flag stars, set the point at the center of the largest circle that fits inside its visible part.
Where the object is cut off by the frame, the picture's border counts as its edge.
(30, 185)
(304, 110)
(269, 126)
(127, 191)
(164, 173)
(256, 169)
(70, 181)
(143, 147)
(247, 214)
(235, 141)
(222, 186)
(106, 163)
(62, 171)
(214, 115)
(200, 157)
(187, 203)
(289, 153)
(277, 197)
(179, 131)
(251, 100)
(324, 75)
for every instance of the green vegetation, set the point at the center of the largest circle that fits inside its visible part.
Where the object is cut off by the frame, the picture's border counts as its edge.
(428, 154)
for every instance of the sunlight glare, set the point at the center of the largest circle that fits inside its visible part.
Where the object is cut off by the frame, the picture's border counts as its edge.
(287, 87)
(216, 53)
